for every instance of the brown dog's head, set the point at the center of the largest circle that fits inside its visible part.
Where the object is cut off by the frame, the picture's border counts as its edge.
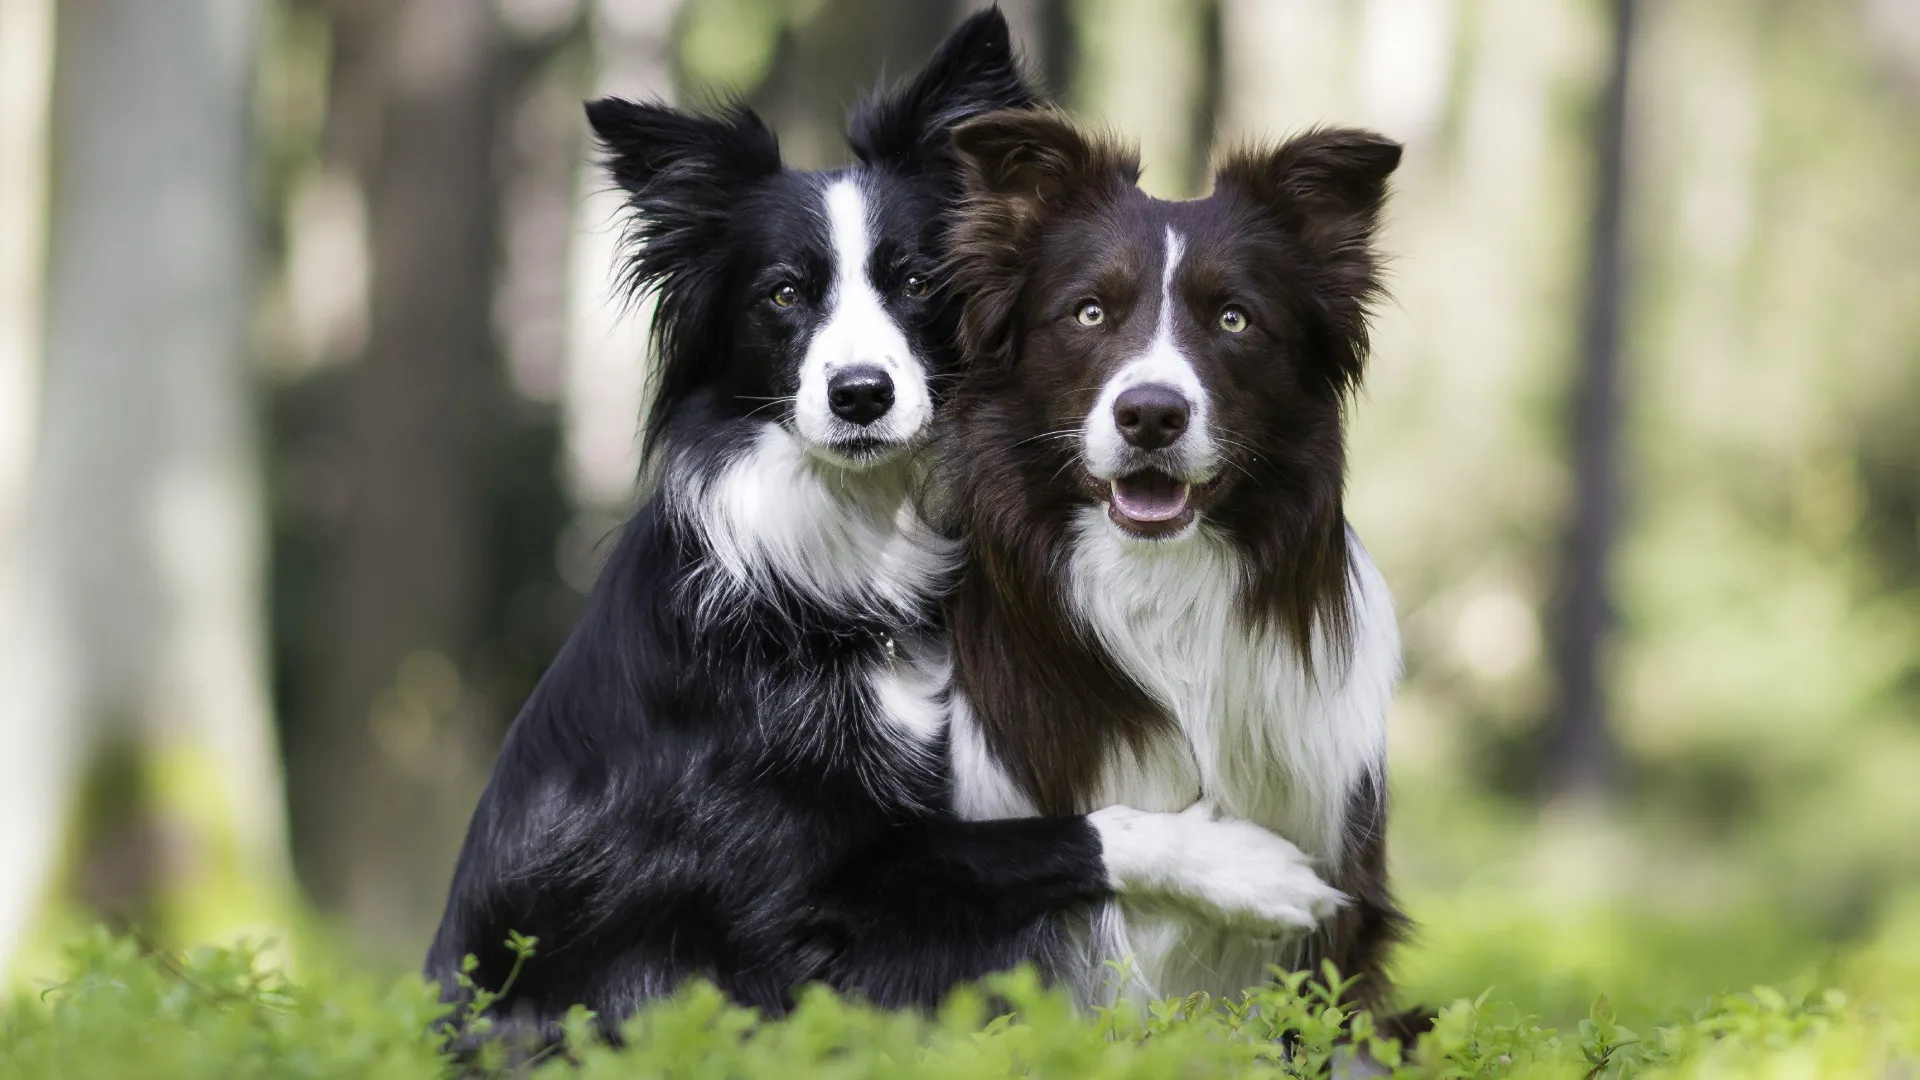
(1177, 364)
(1180, 350)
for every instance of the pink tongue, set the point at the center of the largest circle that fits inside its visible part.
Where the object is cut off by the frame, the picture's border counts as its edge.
(1150, 496)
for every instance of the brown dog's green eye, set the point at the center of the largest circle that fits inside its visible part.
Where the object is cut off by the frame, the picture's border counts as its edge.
(918, 285)
(785, 296)
(1091, 313)
(1233, 320)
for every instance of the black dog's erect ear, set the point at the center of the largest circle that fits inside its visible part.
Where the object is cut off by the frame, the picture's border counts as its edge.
(652, 146)
(974, 71)
(682, 174)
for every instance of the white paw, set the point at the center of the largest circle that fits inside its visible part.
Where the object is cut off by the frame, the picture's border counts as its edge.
(1234, 870)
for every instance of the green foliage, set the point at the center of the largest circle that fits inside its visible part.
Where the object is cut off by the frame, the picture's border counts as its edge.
(123, 1012)
(473, 1016)
(126, 1012)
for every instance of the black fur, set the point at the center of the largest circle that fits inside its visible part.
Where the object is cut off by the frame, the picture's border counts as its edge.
(701, 784)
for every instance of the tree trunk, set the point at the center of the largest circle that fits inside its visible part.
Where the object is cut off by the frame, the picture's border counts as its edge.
(140, 643)
(26, 82)
(384, 765)
(1582, 756)
(30, 789)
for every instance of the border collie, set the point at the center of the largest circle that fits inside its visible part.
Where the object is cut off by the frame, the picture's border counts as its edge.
(1161, 600)
(737, 766)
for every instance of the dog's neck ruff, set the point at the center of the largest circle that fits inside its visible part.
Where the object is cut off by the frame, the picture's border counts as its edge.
(775, 521)
(1265, 735)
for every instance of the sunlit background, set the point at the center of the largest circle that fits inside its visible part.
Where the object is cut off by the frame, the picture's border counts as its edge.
(315, 409)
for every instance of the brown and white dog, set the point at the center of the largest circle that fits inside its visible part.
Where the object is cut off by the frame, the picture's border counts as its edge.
(1163, 604)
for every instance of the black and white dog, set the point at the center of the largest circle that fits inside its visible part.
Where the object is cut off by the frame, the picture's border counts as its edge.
(1149, 453)
(737, 767)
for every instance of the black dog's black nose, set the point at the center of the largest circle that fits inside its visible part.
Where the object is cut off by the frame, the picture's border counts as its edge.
(860, 395)
(1151, 416)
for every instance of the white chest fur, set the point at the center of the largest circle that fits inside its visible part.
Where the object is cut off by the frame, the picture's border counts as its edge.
(775, 518)
(1258, 735)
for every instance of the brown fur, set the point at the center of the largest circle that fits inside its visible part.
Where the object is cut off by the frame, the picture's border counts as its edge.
(1053, 217)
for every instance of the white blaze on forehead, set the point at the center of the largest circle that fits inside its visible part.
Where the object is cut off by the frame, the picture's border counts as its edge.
(1193, 457)
(1176, 247)
(847, 224)
(857, 330)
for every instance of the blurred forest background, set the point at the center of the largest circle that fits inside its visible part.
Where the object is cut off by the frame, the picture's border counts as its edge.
(315, 409)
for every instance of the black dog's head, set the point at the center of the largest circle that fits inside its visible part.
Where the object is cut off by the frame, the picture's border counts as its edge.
(1151, 368)
(808, 300)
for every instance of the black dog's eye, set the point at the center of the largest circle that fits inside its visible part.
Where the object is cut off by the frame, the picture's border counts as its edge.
(1233, 320)
(784, 295)
(917, 285)
(1091, 313)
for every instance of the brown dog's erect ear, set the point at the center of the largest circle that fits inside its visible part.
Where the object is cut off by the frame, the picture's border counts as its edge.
(1326, 187)
(1037, 155)
(1328, 184)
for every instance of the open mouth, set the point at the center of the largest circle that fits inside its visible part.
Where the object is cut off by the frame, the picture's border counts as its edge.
(1150, 503)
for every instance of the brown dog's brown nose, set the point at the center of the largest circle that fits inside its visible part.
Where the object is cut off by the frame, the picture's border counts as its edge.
(1151, 416)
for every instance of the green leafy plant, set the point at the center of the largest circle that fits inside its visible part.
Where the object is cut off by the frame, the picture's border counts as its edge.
(124, 1010)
